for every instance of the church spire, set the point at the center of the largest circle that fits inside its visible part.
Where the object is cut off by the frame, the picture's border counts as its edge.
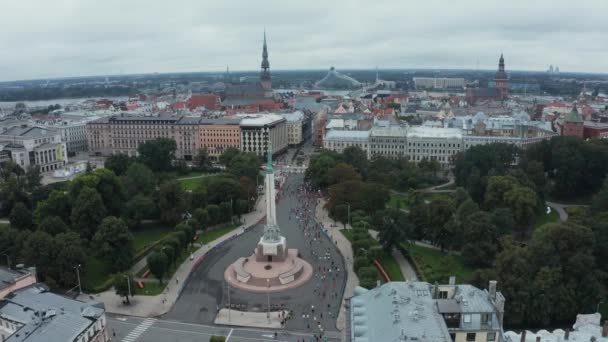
(501, 63)
(265, 64)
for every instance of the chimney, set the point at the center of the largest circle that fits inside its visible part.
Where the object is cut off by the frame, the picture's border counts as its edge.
(523, 336)
(492, 289)
(452, 280)
(567, 337)
(605, 328)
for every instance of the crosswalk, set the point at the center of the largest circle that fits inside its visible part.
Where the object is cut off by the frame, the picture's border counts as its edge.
(140, 329)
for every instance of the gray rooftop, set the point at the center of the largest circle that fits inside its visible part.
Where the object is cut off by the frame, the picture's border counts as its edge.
(29, 132)
(8, 277)
(46, 316)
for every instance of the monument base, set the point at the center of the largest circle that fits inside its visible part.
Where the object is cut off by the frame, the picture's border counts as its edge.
(255, 275)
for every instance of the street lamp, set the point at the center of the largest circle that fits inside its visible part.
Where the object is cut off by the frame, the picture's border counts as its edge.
(78, 277)
(348, 213)
(597, 308)
(128, 285)
(268, 298)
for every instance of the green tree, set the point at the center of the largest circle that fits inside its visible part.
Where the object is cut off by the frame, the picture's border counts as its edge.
(199, 196)
(523, 203)
(57, 204)
(39, 249)
(87, 213)
(158, 264)
(202, 160)
(33, 178)
(503, 220)
(70, 252)
(356, 157)
(225, 211)
(53, 225)
(213, 211)
(373, 197)
(244, 164)
(118, 163)
(137, 209)
(393, 228)
(496, 189)
(188, 231)
(222, 189)
(139, 179)
(123, 285)
(599, 202)
(317, 171)
(114, 243)
(480, 236)
(228, 154)
(441, 210)
(157, 154)
(172, 202)
(201, 217)
(20, 217)
(342, 172)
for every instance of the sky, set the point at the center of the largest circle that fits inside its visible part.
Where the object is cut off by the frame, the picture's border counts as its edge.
(65, 38)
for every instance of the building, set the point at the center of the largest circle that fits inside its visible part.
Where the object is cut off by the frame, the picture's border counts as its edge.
(336, 80)
(34, 314)
(572, 125)
(216, 135)
(256, 130)
(586, 328)
(388, 141)
(338, 140)
(124, 134)
(419, 311)
(438, 83)
(594, 129)
(434, 144)
(295, 125)
(12, 280)
(74, 135)
(34, 146)
(499, 93)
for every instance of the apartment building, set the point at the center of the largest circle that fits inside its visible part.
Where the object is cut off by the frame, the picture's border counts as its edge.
(430, 143)
(216, 135)
(12, 280)
(338, 140)
(438, 83)
(388, 141)
(419, 311)
(258, 129)
(74, 135)
(295, 123)
(34, 314)
(34, 146)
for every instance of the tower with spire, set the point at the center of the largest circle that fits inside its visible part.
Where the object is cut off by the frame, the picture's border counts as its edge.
(265, 79)
(501, 79)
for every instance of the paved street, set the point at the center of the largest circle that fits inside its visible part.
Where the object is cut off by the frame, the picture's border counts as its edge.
(206, 289)
(135, 329)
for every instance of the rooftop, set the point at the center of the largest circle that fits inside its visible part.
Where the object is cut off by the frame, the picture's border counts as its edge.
(8, 277)
(292, 117)
(29, 132)
(259, 119)
(433, 132)
(46, 316)
(347, 135)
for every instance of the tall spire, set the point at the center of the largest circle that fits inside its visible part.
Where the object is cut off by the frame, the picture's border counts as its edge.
(501, 63)
(265, 64)
(269, 158)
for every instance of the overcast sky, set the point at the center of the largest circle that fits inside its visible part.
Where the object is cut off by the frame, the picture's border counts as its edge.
(58, 38)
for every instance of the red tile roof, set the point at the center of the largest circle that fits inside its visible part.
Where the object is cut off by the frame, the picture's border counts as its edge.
(209, 101)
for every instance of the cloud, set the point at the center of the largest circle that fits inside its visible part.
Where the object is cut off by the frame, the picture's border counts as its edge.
(43, 39)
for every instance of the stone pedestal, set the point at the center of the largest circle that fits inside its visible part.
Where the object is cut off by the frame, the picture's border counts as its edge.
(271, 251)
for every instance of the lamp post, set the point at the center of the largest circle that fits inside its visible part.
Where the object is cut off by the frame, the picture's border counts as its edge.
(268, 298)
(348, 213)
(128, 286)
(597, 308)
(78, 277)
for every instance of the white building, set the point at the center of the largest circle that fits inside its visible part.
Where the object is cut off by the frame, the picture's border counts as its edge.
(73, 134)
(257, 129)
(438, 83)
(29, 146)
(338, 140)
(295, 122)
(432, 143)
(388, 141)
(34, 314)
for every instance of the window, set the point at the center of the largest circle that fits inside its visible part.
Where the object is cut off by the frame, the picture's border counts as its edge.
(471, 336)
(491, 336)
(466, 318)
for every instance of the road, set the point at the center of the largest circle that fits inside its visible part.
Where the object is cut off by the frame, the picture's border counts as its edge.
(135, 329)
(206, 290)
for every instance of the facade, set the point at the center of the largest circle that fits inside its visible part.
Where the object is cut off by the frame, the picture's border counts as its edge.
(573, 125)
(12, 280)
(419, 311)
(595, 130)
(295, 124)
(74, 135)
(256, 130)
(338, 140)
(34, 146)
(216, 135)
(34, 314)
(388, 142)
(124, 134)
(438, 83)
(501, 80)
(429, 143)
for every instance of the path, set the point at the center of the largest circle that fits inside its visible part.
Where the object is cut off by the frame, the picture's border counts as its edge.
(152, 306)
(561, 208)
(404, 265)
(346, 250)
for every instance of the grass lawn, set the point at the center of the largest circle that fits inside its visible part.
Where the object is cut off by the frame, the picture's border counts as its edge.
(95, 273)
(148, 234)
(348, 234)
(151, 289)
(191, 184)
(397, 201)
(545, 218)
(4, 225)
(437, 266)
(214, 234)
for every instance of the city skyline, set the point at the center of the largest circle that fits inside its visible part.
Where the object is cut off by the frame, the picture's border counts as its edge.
(89, 39)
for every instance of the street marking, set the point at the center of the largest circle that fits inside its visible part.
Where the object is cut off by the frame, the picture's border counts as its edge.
(140, 329)
(230, 333)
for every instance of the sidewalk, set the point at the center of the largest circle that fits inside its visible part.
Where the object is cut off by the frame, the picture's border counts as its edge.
(404, 265)
(152, 306)
(345, 248)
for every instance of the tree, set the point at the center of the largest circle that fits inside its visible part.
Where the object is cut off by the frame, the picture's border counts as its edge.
(188, 231)
(158, 264)
(480, 236)
(600, 200)
(172, 202)
(20, 217)
(356, 157)
(139, 179)
(111, 190)
(503, 220)
(118, 163)
(69, 253)
(137, 209)
(114, 243)
(33, 178)
(201, 159)
(201, 217)
(225, 211)
(496, 189)
(39, 249)
(53, 225)
(317, 171)
(228, 154)
(123, 285)
(213, 211)
(441, 210)
(57, 204)
(87, 213)
(523, 203)
(393, 228)
(157, 154)
(199, 196)
(244, 164)
(342, 172)
(465, 209)
(222, 189)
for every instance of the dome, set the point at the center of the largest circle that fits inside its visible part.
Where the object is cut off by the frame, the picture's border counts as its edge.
(336, 80)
